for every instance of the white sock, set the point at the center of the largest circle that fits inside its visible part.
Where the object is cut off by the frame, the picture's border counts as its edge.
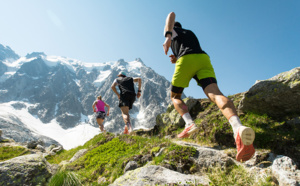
(235, 123)
(187, 119)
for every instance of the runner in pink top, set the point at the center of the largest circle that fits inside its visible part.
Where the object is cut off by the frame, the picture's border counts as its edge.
(98, 107)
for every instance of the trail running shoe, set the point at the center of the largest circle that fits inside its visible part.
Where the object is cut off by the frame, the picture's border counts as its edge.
(188, 131)
(244, 143)
(130, 128)
(126, 130)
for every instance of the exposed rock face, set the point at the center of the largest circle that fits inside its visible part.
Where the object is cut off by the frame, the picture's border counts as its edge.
(276, 97)
(78, 155)
(130, 166)
(13, 128)
(285, 170)
(25, 170)
(172, 117)
(7, 53)
(152, 175)
(63, 90)
(207, 157)
(3, 68)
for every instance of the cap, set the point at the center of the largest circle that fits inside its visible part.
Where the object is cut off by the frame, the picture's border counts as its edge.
(122, 73)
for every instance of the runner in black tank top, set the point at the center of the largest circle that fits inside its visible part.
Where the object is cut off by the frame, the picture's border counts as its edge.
(126, 96)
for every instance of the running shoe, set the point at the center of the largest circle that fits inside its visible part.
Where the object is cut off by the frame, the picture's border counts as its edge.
(126, 130)
(188, 131)
(244, 143)
(130, 128)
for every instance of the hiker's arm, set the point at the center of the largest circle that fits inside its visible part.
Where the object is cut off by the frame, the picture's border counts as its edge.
(94, 108)
(113, 87)
(168, 31)
(108, 107)
(139, 80)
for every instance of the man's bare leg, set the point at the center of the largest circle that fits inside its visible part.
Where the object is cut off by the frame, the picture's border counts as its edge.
(244, 136)
(126, 118)
(182, 109)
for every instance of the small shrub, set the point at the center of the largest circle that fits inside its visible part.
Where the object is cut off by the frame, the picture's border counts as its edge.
(65, 178)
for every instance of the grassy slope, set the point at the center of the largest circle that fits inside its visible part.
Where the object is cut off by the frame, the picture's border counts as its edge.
(108, 154)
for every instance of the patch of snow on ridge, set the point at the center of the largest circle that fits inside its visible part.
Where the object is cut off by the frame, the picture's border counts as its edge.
(13, 67)
(134, 66)
(101, 78)
(69, 138)
(52, 61)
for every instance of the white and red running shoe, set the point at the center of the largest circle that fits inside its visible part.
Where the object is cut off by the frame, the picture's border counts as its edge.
(188, 131)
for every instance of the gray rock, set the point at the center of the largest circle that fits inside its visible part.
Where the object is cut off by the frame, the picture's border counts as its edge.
(160, 151)
(277, 97)
(78, 155)
(34, 144)
(3, 68)
(25, 170)
(56, 149)
(101, 180)
(172, 117)
(131, 165)
(40, 147)
(146, 158)
(208, 157)
(157, 175)
(285, 171)
(13, 128)
(7, 53)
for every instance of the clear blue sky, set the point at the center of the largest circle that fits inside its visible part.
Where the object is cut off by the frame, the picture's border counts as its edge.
(246, 40)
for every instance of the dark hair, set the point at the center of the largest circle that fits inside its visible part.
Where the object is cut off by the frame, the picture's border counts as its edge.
(99, 98)
(177, 24)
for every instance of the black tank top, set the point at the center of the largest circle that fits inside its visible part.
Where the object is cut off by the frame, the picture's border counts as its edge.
(126, 85)
(185, 43)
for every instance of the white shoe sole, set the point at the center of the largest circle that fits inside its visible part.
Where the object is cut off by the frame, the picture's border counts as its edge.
(247, 135)
(192, 130)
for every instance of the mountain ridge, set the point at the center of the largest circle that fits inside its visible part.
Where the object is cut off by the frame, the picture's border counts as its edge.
(61, 90)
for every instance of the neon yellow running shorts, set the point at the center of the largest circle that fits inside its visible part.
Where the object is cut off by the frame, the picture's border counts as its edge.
(190, 65)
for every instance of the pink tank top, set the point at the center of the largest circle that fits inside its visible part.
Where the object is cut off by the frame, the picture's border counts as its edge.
(100, 106)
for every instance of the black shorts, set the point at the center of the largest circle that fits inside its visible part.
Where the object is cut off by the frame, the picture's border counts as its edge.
(100, 115)
(127, 100)
(202, 82)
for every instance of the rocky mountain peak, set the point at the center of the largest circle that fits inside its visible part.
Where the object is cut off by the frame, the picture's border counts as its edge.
(6, 53)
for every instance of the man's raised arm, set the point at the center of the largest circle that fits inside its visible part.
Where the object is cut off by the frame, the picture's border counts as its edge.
(170, 21)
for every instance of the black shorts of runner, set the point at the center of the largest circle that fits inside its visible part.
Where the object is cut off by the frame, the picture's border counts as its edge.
(202, 82)
(127, 100)
(100, 115)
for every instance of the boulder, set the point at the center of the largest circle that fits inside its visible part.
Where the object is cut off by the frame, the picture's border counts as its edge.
(285, 171)
(56, 150)
(277, 97)
(131, 165)
(30, 169)
(157, 175)
(208, 157)
(78, 155)
(172, 117)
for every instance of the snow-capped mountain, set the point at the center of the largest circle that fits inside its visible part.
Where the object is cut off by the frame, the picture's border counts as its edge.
(52, 96)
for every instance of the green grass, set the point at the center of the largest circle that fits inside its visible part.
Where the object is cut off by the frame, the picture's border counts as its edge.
(64, 178)
(11, 152)
(107, 159)
(235, 176)
(68, 154)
